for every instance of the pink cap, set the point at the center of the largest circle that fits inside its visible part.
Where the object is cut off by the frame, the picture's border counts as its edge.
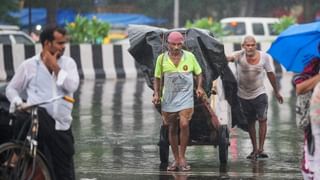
(175, 37)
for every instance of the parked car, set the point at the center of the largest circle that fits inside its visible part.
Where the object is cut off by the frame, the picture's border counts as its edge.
(238, 27)
(10, 34)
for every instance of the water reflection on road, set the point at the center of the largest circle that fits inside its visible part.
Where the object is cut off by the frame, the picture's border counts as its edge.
(116, 132)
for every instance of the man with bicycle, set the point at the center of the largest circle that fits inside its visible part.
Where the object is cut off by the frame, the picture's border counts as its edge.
(42, 77)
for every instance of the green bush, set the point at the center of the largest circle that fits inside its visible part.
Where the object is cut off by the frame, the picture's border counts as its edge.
(207, 23)
(84, 30)
(284, 23)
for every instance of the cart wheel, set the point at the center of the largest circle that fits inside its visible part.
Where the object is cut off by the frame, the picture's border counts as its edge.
(164, 145)
(223, 144)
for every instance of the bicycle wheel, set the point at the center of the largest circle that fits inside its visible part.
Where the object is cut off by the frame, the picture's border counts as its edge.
(17, 164)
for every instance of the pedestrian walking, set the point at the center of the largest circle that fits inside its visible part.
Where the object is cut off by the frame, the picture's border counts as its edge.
(173, 88)
(251, 65)
(304, 83)
(315, 127)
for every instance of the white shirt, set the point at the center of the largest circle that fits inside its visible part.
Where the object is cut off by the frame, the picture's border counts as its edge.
(251, 77)
(34, 79)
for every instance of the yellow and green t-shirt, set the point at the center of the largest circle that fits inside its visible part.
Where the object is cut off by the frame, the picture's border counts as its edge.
(178, 81)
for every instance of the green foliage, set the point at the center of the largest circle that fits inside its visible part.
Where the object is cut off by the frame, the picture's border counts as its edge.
(207, 23)
(84, 30)
(284, 23)
(203, 23)
(77, 5)
(8, 6)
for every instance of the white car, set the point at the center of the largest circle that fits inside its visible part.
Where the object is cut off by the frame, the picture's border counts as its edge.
(259, 27)
(13, 35)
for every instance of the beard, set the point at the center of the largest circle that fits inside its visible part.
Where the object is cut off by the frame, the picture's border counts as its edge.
(60, 53)
(175, 51)
(251, 53)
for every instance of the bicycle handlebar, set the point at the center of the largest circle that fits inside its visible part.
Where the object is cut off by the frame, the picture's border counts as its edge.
(66, 98)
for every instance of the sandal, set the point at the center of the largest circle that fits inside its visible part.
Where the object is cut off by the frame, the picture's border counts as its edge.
(252, 156)
(173, 166)
(185, 167)
(262, 154)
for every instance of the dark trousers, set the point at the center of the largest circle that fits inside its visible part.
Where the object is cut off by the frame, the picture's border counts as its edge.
(57, 146)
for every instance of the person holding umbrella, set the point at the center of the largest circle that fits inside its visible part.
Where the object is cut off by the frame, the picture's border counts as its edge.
(315, 126)
(251, 65)
(176, 68)
(303, 43)
(304, 83)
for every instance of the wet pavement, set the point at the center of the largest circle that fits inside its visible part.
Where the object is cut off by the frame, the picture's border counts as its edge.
(116, 131)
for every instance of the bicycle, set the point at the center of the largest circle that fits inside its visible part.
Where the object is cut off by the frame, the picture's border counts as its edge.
(21, 160)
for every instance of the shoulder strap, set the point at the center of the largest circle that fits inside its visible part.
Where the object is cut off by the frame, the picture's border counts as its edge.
(161, 73)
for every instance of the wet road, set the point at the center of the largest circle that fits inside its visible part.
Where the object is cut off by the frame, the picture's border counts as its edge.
(116, 132)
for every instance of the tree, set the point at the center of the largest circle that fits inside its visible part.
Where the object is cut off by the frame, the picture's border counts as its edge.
(6, 7)
(53, 5)
(207, 23)
(160, 9)
(217, 9)
(190, 9)
(310, 9)
(283, 24)
(84, 30)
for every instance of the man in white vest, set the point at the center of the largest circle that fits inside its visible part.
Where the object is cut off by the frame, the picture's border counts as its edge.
(251, 66)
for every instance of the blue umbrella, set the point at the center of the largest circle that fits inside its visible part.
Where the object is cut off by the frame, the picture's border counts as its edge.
(296, 46)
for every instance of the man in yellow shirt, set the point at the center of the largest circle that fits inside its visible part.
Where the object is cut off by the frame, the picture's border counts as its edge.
(176, 68)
